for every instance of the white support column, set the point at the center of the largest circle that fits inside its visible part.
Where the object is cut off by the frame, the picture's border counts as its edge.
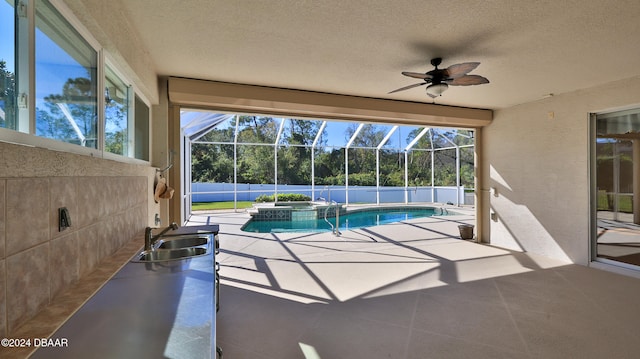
(433, 171)
(275, 160)
(380, 145)
(377, 176)
(406, 176)
(457, 176)
(346, 163)
(346, 175)
(433, 177)
(313, 159)
(406, 161)
(235, 165)
(313, 174)
(457, 166)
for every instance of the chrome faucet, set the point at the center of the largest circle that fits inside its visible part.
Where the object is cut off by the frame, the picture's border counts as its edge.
(150, 239)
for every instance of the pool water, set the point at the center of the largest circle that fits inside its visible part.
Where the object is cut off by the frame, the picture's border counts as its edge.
(353, 220)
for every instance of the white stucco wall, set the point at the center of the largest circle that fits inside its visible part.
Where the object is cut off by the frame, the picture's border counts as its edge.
(536, 156)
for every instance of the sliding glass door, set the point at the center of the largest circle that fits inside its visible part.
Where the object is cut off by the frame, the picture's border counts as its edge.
(616, 168)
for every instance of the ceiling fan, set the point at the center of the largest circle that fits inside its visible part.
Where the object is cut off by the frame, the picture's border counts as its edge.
(439, 80)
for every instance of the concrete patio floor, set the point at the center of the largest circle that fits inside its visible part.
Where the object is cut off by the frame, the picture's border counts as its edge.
(412, 290)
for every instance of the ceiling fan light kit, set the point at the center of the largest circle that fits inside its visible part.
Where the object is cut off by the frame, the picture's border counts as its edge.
(435, 90)
(439, 80)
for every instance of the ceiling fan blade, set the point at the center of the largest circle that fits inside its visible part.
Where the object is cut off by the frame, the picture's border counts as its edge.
(408, 87)
(462, 69)
(467, 80)
(417, 75)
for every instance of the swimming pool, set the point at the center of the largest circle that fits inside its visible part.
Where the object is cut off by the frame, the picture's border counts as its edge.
(354, 219)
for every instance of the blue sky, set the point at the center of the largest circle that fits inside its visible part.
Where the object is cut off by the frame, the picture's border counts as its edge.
(54, 66)
(335, 131)
(6, 28)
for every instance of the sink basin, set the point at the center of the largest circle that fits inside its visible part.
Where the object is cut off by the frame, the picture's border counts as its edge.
(181, 241)
(162, 255)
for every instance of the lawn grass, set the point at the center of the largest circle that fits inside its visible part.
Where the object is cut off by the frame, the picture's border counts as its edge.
(207, 206)
(625, 203)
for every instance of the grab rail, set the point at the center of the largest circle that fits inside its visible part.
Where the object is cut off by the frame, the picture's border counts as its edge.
(326, 220)
(328, 194)
(335, 230)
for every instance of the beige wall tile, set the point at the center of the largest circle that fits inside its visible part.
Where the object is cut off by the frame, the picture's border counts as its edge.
(64, 262)
(2, 218)
(124, 188)
(3, 299)
(27, 284)
(63, 194)
(121, 229)
(107, 195)
(108, 202)
(27, 213)
(140, 190)
(88, 253)
(106, 234)
(88, 200)
(137, 222)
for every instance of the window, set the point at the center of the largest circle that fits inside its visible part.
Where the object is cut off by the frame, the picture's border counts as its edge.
(141, 129)
(117, 97)
(54, 84)
(7, 67)
(126, 119)
(66, 81)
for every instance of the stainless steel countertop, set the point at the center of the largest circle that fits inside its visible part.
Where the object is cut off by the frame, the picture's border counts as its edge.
(147, 310)
(204, 229)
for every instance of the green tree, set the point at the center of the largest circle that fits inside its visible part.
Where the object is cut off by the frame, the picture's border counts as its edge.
(78, 100)
(214, 162)
(115, 141)
(255, 164)
(391, 168)
(329, 164)
(362, 155)
(294, 152)
(7, 97)
(116, 126)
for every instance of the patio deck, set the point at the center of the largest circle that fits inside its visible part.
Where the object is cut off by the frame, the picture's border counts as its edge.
(412, 290)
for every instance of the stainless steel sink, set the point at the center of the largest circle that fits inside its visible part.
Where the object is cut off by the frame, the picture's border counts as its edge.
(183, 241)
(162, 255)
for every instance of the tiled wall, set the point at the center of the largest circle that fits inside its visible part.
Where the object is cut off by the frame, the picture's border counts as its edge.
(285, 214)
(108, 203)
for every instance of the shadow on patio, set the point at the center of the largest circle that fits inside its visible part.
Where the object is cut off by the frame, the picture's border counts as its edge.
(413, 290)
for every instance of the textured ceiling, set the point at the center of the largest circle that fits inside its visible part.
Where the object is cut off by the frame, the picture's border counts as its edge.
(527, 49)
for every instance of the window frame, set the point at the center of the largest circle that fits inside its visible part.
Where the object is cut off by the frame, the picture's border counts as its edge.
(130, 98)
(595, 259)
(84, 51)
(25, 134)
